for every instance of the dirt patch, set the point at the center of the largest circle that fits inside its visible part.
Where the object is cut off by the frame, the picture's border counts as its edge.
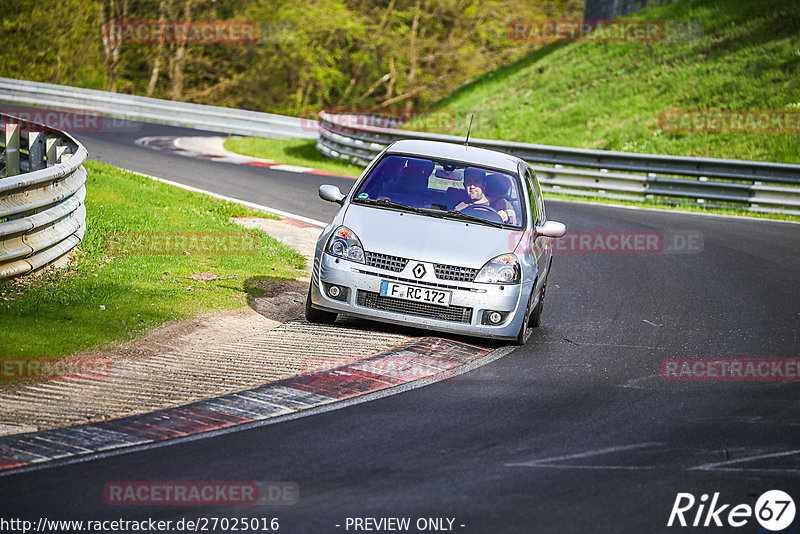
(280, 301)
(207, 277)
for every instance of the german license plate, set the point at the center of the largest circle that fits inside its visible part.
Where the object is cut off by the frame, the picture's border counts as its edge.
(416, 294)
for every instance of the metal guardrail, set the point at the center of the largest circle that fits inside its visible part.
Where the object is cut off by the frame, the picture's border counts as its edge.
(752, 185)
(42, 192)
(218, 119)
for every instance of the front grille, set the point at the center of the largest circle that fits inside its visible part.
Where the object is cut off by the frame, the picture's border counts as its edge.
(385, 261)
(375, 301)
(443, 272)
(453, 272)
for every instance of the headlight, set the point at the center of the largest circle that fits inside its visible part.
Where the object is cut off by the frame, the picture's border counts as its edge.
(344, 243)
(500, 270)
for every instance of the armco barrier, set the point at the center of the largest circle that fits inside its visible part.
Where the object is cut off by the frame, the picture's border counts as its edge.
(42, 192)
(218, 119)
(753, 185)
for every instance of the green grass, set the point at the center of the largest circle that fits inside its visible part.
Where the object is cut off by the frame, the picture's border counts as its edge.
(59, 313)
(610, 96)
(300, 152)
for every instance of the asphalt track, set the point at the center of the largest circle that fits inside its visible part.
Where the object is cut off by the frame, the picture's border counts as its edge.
(574, 432)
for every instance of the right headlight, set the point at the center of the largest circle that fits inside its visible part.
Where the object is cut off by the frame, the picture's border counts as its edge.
(344, 243)
(503, 269)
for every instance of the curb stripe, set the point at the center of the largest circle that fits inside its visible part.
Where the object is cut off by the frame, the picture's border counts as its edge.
(429, 359)
(8, 463)
(140, 429)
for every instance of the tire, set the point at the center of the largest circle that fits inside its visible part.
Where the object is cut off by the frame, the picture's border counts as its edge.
(314, 315)
(522, 336)
(536, 316)
(534, 320)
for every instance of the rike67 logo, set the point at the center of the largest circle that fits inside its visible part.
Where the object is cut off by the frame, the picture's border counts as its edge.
(774, 511)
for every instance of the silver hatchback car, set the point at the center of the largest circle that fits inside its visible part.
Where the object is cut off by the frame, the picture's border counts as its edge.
(437, 235)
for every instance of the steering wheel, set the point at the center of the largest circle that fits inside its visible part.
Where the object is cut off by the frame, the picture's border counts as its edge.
(483, 211)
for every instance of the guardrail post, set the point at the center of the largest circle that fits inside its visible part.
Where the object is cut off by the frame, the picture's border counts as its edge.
(61, 153)
(36, 151)
(12, 148)
(51, 144)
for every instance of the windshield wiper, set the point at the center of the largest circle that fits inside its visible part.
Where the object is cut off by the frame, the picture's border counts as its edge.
(459, 215)
(428, 211)
(467, 216)
(386, 202)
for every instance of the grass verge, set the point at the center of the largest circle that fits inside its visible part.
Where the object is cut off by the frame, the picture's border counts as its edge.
(104, 297)
(300, 152)
(611, 96)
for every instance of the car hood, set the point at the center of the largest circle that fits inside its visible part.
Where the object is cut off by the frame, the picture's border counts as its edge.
(425, 238)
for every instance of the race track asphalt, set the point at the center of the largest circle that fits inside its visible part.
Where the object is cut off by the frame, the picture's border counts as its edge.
(574, 432)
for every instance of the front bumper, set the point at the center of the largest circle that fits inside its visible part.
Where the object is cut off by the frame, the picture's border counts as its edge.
(465, 315)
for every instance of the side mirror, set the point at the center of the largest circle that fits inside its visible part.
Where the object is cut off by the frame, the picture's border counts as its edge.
(551, 229)
(331, 193)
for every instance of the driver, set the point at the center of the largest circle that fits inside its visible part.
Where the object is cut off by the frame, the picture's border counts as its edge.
(497, 186)
(474, 185)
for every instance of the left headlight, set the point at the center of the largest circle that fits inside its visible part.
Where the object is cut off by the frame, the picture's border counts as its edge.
(344, 243)
(503, 269)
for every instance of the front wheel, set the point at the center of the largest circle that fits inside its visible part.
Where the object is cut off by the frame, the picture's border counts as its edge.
(314, 315)
(522, 335)
(535, 319)
(536, 316)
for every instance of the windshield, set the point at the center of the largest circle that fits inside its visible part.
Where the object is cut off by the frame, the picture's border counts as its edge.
(443, 189)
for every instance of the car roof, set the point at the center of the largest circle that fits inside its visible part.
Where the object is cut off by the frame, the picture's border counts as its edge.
(455, 152)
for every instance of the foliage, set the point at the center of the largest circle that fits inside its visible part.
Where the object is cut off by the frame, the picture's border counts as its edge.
(361, 54)
(610, 96)
(60, 45)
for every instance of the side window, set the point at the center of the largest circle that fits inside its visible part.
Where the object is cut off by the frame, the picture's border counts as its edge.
(539, 198)
(533, 197)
